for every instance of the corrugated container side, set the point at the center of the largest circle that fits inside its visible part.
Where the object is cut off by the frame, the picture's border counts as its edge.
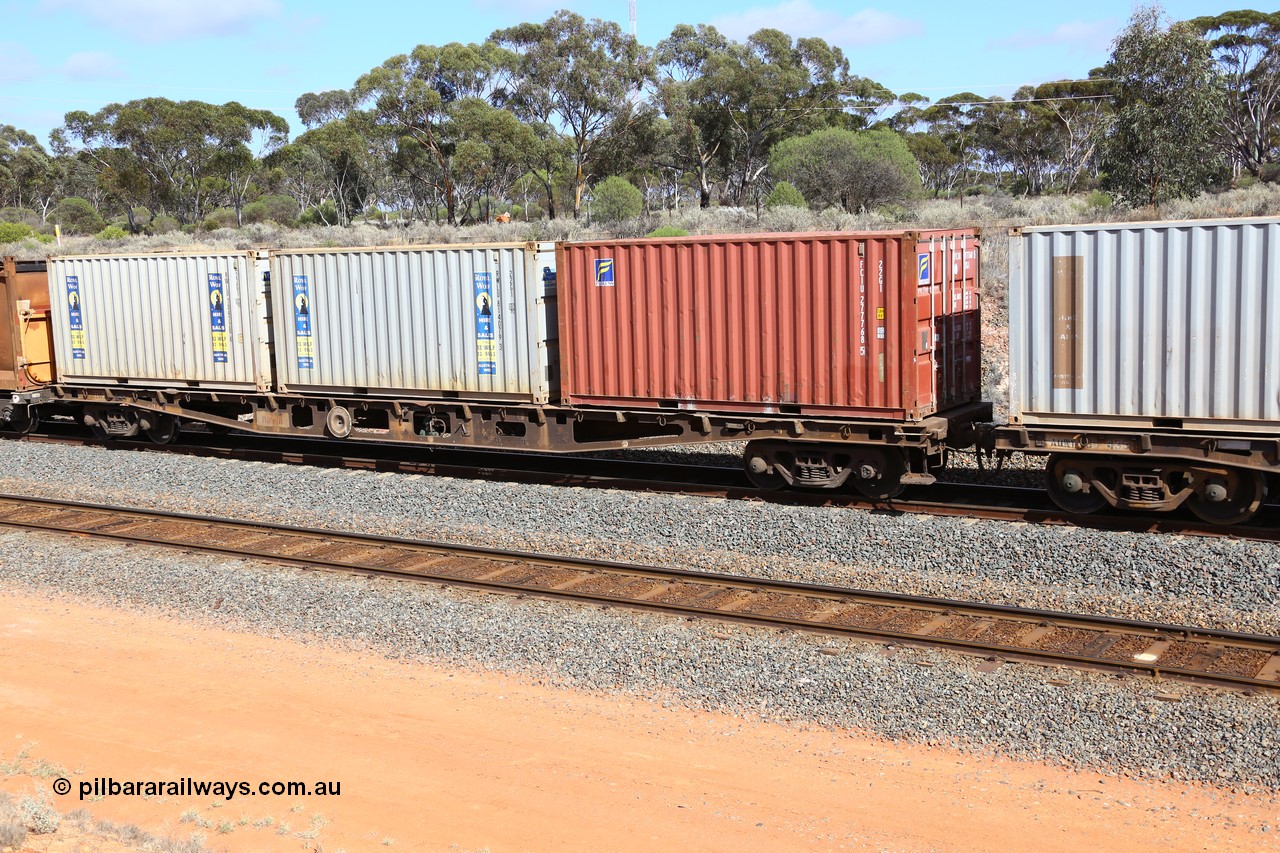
(473, 321)
(879, 324)
(1153, 324)
(167, 320)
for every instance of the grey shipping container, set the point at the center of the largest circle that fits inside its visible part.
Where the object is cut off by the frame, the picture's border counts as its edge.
(1151, 325)
(421, 321)
(182, 320)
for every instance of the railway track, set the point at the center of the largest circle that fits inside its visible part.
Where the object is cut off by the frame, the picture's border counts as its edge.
(973, 500)
(996, 632)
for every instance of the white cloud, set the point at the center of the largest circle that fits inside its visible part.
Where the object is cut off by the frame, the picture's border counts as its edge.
(800, 18)
(93, 65)
(19, 64)
(167, 20)
(1076, 35)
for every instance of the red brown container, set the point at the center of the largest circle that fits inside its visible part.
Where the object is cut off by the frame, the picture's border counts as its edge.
(882, 325)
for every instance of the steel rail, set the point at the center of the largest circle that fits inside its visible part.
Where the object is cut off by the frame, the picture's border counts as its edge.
(999, 632)
(967, 500)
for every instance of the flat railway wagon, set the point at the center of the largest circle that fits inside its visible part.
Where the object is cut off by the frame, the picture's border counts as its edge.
(877, 329)
(460, 346)
(1145, 363)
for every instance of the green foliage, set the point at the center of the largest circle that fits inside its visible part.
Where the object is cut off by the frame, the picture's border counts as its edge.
(322, 214)
(12, 232)
(785, 194)
(164, 224)
(1169, 106)
(668, 231)
(281, 209)
(163, 154)
(615, 199)
(112, 232)
(1246, 47)
(855, 170)
(584, 75)
(19, 214)
(730, 103)
(77, 216)
(223, 217)
(1098, 200)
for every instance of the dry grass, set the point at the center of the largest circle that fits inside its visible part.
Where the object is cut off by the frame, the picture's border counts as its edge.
(994, 213)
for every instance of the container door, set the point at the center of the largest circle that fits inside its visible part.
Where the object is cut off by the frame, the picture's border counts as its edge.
(924, 274)
(948, 322)
(27, 360)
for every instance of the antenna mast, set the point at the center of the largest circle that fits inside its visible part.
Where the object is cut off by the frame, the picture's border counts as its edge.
(631, 7)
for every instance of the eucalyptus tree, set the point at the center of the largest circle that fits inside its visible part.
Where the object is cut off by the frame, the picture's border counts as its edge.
(1246, 46)
(1082, 112)
(697, 120)
(240, 156)
(856, 170)
(1019, 136)
(770, 88)
(578, 77)
(419, 97)
(167, 154)
(27, 172)
(1169, 104)
(943, 136)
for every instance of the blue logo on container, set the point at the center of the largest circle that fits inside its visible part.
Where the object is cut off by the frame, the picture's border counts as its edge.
(604, 272)
(75, 316)
(926, 273)
(302, 323)
(486, 345)
(218, 317)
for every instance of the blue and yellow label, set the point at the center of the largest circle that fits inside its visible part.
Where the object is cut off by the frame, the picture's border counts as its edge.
(486, 343)
(604, 272)
(75, 316)
(218, 317)
(926, 268)
(302, 327)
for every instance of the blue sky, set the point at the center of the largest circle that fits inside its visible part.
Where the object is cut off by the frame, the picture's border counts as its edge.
(62, 55)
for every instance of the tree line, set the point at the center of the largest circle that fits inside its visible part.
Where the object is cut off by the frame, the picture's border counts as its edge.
(541, 118)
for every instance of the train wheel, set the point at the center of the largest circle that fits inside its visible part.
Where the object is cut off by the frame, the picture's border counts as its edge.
(1067, 482)
(1229, 500)
(163, 429)
(762, 474)
(877, 474)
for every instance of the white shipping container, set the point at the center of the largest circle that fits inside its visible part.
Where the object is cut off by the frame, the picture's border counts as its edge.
(475, 321)
(190, 320)
(1163, 324)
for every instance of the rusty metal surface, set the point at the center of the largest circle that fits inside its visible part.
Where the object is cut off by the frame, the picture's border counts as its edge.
(470, 320)
(1134, 325)
(25, 347)
(880, 324)
(177, 320)
(1205, 655)
(964, 500)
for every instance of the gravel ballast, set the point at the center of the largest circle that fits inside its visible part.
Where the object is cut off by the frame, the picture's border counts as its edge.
(1132, 726)
(1209, 582)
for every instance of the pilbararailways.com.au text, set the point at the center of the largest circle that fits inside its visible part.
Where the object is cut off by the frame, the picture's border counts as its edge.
(188, 787)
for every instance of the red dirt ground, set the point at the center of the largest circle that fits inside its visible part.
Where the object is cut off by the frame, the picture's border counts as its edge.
(429, 758)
